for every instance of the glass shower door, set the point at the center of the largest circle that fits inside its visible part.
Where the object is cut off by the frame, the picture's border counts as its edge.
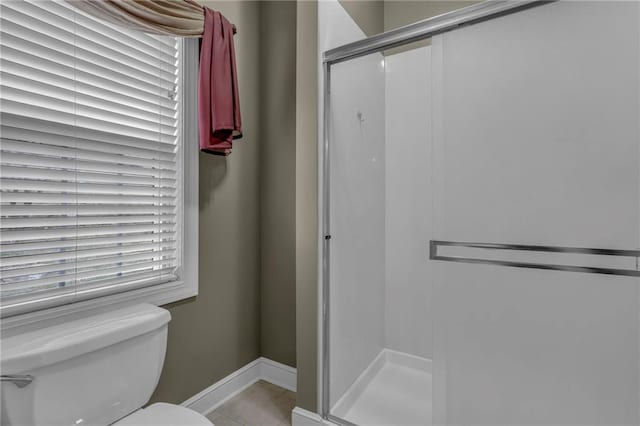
(379, 345)
(536, 143)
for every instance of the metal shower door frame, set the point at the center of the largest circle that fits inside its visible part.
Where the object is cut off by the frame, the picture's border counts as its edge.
(421, 30)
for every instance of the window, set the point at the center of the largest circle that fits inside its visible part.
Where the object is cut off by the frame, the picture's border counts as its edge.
(92, 158)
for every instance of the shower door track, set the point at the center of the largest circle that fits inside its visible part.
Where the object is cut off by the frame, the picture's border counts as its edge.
(421, 30)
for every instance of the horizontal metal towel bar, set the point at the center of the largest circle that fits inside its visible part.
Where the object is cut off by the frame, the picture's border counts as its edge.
(434, 244)
(20, 380)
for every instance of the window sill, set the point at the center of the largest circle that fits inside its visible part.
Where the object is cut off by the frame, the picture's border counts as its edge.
(157, 295)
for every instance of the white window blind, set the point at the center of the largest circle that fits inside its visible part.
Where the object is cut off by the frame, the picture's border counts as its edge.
(90, 158)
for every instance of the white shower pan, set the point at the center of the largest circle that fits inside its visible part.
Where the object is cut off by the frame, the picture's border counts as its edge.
(395, 389)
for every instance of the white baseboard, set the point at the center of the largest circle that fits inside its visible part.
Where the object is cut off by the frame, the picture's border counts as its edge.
(212, 397)
(302, 417)
(278, 374)
(261, 369)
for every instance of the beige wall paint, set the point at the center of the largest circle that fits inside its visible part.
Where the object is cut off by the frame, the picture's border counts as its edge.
(218, 332)
(368, 14)
(376, 16)
(398, 13)
(307, 203)
(278, 181)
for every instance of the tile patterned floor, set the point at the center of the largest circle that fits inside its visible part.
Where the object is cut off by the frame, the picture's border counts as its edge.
(261, 404)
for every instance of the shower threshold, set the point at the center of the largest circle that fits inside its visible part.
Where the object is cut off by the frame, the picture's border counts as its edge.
(395, 389)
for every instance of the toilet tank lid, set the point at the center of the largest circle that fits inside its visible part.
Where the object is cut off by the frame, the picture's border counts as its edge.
(33, 349)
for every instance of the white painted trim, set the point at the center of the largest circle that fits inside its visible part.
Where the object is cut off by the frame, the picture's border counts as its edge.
(278, 374)
(215, 395)
(187, 284)
(188, 271)
(302, 417)
(260, 369)
(385, 356)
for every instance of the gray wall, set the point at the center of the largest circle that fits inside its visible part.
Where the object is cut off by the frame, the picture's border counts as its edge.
(234, 320)
(277, 180)
(307, 203)
(368, 14)
(376, 16)
(401, 12)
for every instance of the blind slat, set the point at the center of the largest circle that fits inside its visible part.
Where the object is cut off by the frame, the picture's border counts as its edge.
(90, 156)
(56, 50)
(143, 43)
(30, 234)
(45, 210)
(86, 82)
(82, 152)
(60, 198)
(27, 135)
(151, 268)
(21, 90)
(28, 248)
(22, 159)
(83, 188)
(62, 113)
(50, 186)
(9, 223)
(25, 172)
(77, 265)
(78, 36)
(45, 258)
(24, 84)
(31, 126)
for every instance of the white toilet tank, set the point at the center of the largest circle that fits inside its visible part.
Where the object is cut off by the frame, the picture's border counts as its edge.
(92, 370)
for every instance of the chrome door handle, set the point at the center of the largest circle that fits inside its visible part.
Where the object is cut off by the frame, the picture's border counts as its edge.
(20, 380)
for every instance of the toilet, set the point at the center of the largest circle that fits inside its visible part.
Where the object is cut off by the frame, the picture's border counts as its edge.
(92, 370)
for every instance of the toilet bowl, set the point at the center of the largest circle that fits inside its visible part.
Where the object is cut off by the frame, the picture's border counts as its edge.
(93, 370)
(162, 414)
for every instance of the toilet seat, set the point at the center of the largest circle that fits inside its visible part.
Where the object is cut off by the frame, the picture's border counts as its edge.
(163, 414)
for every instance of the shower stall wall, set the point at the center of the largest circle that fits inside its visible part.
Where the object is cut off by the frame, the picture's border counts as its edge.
(481, 217)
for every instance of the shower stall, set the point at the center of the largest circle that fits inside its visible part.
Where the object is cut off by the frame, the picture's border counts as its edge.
(480, 183)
